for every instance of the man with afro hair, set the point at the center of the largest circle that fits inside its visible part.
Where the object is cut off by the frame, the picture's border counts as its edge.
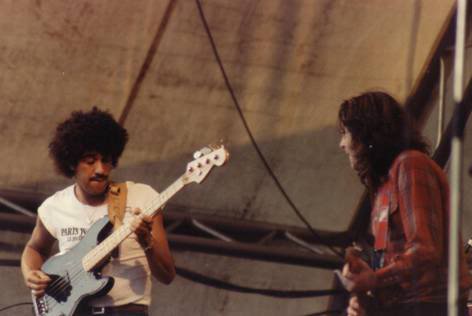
(87, 147)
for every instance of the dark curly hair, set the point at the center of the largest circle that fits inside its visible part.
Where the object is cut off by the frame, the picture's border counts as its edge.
(94, 131)
(381, 126)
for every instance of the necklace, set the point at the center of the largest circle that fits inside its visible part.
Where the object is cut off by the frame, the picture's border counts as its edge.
(91, 212)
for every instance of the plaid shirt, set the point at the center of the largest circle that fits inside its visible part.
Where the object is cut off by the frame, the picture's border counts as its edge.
(409, 220)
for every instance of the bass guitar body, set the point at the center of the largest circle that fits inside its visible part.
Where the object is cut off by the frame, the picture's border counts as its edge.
(70, 284)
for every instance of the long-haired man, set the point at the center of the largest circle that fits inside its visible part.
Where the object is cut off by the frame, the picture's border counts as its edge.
(407, 274)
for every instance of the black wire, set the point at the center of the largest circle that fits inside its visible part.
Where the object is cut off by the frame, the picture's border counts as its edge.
(216, 283)
(253, 141)
(14, 305)
(328, 312)
(209, 281)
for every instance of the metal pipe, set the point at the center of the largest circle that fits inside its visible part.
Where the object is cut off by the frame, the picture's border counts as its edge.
(283, 253)
(270, 236)
(456, 165)
(227, 225)
(455, 205)
(17, 207)
(210, 231)
(178, 217)
(254, 251)
(170, 228)
(441, 107)
(303, 243)
(236, 227)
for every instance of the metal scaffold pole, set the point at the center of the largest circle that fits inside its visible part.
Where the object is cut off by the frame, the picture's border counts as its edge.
(456, 164)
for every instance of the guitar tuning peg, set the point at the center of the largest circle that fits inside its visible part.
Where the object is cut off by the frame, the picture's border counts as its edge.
(202, 152)
(217, 145)
(206, 150)
(212, 147)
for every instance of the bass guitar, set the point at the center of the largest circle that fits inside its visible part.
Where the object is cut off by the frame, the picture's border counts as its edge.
(75, 275)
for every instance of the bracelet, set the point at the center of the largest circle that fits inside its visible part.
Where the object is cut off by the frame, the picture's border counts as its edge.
(148, 244)
(148, 247)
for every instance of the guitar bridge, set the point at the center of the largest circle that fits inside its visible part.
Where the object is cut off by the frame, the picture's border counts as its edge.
(40, 305)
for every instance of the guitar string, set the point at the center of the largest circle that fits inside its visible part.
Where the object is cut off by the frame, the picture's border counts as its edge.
(60, 280)
(75, 272)
(77, 269)
(61, 285)
(74, 268)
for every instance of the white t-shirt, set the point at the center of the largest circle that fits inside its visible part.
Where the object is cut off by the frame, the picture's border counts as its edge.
(68, 220)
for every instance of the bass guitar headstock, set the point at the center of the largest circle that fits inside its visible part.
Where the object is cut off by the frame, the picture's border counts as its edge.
(205, 159)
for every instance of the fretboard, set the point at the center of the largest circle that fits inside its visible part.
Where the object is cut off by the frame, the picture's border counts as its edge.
(102, 250)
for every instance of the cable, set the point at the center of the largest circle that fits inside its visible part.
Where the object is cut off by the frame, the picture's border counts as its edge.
(328, 312)
(14, 305)
(253, 141)
(209, 281)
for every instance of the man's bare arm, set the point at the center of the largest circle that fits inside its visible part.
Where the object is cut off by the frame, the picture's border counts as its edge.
(152, 237)
(159, 256)
(36, 251)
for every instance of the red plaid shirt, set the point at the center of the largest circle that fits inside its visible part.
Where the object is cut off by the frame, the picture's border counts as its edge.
(409, 220)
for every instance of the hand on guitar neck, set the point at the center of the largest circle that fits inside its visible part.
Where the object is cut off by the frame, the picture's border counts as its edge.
(141, 225)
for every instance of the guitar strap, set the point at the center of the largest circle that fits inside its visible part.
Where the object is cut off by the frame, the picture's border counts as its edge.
(117, 203)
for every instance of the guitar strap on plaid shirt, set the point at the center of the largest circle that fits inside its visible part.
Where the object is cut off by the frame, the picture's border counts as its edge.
(380, 227)
(117, 203)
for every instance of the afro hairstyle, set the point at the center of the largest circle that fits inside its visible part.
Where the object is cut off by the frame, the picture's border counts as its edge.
(95, 131)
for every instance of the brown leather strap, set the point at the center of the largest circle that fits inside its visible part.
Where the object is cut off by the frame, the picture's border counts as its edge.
(117, 203)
